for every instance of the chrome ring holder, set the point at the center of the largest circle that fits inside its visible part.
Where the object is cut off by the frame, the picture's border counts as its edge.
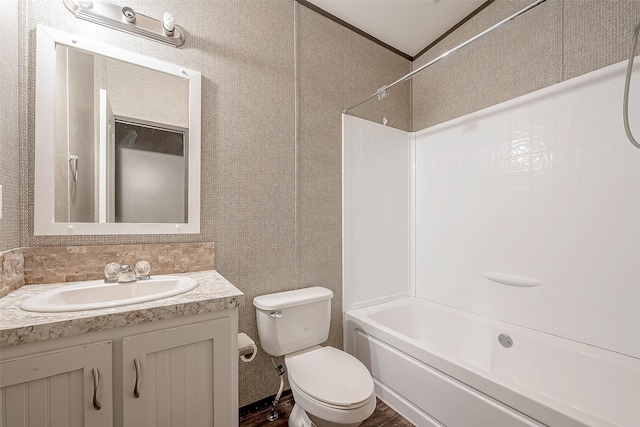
(126, 19)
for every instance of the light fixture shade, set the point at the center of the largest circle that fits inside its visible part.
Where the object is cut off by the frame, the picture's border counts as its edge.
(125, 19)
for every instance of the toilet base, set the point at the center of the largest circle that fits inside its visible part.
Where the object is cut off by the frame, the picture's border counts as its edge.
(300, 418)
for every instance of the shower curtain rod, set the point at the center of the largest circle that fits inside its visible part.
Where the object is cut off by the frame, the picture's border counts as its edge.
(382, 92)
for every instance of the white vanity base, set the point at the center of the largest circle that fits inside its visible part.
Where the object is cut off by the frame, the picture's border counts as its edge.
(185, 345)
(188, 374)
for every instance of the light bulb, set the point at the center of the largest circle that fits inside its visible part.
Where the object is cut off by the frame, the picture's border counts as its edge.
(168, 22)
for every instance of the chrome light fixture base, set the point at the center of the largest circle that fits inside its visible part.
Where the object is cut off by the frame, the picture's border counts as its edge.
(125, 19)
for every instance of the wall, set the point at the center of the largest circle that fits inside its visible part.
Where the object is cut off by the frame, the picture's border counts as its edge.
(270, 189)
(11, 260)
(9, 128)
(556, 41)
(336, 68)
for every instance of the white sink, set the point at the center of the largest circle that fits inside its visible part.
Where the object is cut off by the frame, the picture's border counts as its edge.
(97, 294)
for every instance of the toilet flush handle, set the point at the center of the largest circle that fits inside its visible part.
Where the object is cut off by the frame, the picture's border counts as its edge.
(275, 314)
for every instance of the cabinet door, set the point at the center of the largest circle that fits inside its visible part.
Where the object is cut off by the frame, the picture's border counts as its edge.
(184, 377)
(57, 388)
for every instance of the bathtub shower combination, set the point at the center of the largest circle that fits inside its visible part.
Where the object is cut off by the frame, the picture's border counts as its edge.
(491, 271)
(430, 358)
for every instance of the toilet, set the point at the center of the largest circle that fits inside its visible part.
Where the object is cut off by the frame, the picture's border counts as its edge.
(330, 387)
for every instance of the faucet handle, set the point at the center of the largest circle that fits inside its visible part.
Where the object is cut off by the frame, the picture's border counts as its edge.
(142, 270)
(111, 272)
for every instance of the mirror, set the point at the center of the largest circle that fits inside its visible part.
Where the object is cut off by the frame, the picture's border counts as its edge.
(117, 141)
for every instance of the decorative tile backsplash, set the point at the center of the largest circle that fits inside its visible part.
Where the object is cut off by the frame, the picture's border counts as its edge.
(11, 270)
(73, 263)
(56, 264)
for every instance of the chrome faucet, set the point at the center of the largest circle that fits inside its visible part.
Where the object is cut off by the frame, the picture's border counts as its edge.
(126, 274)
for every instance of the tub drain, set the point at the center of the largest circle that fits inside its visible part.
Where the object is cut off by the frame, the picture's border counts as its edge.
(505, 340)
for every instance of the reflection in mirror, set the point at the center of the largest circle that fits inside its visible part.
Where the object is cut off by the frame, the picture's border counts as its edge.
(141, 180)
(150, 173)
(123, 144)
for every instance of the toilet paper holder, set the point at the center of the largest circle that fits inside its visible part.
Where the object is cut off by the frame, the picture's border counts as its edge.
(245, 351)
(247, 348)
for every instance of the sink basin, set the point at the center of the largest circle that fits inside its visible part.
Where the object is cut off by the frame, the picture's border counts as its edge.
(95, 294)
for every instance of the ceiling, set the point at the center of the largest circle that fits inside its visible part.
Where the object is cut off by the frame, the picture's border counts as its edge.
(407, 25)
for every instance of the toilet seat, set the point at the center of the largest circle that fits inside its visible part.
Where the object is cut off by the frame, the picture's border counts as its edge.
(340, 417)
(331, 377)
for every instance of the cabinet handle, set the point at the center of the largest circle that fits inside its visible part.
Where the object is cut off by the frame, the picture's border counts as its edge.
(96, 381)
(136, 392)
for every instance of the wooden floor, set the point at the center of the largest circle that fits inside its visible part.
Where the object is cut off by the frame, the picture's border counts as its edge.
(383, 416)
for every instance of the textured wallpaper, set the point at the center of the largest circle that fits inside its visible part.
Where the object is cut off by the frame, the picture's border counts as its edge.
(556, 41)
(271, 202)
(9, 130)
(336, 68)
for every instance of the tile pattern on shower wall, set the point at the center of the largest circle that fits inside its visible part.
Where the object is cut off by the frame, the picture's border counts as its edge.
(9, 130)
(546, 188)
(60, 264)
(11, 270)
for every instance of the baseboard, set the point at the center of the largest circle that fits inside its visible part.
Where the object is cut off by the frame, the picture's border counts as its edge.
(262, 404)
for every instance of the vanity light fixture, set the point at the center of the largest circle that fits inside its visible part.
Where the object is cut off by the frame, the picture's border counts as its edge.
(126, 19)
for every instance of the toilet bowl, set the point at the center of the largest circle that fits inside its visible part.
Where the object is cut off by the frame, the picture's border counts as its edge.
(330, 387)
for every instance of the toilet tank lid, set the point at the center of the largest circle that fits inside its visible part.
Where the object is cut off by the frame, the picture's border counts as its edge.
(287, 299)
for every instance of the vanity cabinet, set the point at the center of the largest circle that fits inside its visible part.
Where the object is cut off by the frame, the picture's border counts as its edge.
(168, 375)
(58, 388)
(185, 369)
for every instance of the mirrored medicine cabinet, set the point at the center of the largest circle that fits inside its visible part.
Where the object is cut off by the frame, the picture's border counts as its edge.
(117, 141)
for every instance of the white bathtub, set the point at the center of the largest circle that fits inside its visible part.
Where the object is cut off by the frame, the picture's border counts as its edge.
(441, 366)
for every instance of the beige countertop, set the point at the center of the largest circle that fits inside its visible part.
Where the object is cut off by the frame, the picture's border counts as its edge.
(17, 326)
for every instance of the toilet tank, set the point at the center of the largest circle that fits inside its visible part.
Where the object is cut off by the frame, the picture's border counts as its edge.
(293, 320)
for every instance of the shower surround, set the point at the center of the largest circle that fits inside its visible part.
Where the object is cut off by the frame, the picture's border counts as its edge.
(542, 188)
